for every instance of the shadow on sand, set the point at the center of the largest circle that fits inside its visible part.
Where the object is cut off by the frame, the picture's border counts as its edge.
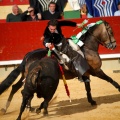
(78, 105)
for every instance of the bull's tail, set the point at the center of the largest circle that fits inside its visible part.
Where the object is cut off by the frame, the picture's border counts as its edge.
(12, 77)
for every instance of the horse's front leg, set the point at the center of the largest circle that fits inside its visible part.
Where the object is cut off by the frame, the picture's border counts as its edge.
(103, 76)
(89, 96)
(15, 88)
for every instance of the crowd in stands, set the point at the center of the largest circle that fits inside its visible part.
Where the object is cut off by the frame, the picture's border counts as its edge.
(41, 10)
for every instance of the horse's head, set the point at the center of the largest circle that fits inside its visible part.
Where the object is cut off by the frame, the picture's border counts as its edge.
(106, 37)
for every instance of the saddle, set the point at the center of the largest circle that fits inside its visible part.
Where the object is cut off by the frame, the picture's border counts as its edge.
(71, 58)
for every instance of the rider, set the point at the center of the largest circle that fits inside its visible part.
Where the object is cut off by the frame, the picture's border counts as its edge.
(53, 35)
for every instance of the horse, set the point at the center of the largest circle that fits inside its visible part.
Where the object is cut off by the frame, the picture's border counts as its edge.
(99, 34)
(42, 79)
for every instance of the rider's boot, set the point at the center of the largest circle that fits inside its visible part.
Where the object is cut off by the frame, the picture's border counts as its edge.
(75, 47)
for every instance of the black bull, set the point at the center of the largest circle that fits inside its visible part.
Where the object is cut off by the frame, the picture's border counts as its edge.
(42, 79)
(96, 35)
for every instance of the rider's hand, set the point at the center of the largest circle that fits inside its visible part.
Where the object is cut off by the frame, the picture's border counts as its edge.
(30, 9)
(39, 16)
(49, 45)
(80, 25)
(42, 38)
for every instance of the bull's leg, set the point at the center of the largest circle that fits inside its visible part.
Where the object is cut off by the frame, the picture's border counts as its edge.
(89, 96)
(44, 105)
(47, 99)
(38, 110)
(24, 103)
(15, 88)
(103, 76)
(29, 104)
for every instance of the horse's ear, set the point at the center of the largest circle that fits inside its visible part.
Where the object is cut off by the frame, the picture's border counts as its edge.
(101, 19)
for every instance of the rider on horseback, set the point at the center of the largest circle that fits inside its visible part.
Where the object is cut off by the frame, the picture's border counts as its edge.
(53, 34)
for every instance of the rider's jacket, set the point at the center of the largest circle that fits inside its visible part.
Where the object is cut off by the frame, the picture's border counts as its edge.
(56, 37)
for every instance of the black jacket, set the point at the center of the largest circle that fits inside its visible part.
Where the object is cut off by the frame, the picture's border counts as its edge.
(29, 18)
(46, 15)
(55, 38)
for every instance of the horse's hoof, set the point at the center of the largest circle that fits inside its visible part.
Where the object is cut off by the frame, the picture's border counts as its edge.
(38, 110)
(2, 111)
(18, 119)
(93, 103)
(119, 89)
(45, 113)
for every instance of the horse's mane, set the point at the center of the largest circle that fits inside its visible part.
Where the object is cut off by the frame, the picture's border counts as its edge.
(105, 22)
(91, 30)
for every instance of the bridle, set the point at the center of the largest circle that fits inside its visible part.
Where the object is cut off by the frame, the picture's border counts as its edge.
(108, 45)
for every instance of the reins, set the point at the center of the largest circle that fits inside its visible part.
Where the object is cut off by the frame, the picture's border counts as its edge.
(108, 34)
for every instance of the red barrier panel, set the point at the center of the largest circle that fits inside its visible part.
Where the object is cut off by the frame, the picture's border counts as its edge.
(13, 2)
(16, 39)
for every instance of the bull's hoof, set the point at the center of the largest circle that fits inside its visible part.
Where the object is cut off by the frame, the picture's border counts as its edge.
(32, 109)
(38, 110)
(93, 103)
(2, 111)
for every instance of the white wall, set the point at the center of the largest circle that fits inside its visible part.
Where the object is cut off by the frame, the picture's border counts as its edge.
(110, 66)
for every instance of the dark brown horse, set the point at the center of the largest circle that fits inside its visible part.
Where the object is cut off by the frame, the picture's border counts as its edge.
(99, 34)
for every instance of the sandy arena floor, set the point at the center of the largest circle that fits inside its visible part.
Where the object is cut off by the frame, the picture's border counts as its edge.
(106, 96)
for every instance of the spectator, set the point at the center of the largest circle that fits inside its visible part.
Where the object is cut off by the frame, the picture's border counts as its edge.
(84, 12)
(15, 16)
(53, 35)
(32, 16)
(51, 13)
(37, 7)
(117, 13)
(42, 5)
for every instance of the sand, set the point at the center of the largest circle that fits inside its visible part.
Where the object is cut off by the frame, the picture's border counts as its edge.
(106, 96)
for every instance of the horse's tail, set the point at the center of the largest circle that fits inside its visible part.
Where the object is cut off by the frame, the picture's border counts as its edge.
(12, 77)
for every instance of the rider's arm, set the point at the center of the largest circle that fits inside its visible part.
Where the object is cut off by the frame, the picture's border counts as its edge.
(69, 23)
